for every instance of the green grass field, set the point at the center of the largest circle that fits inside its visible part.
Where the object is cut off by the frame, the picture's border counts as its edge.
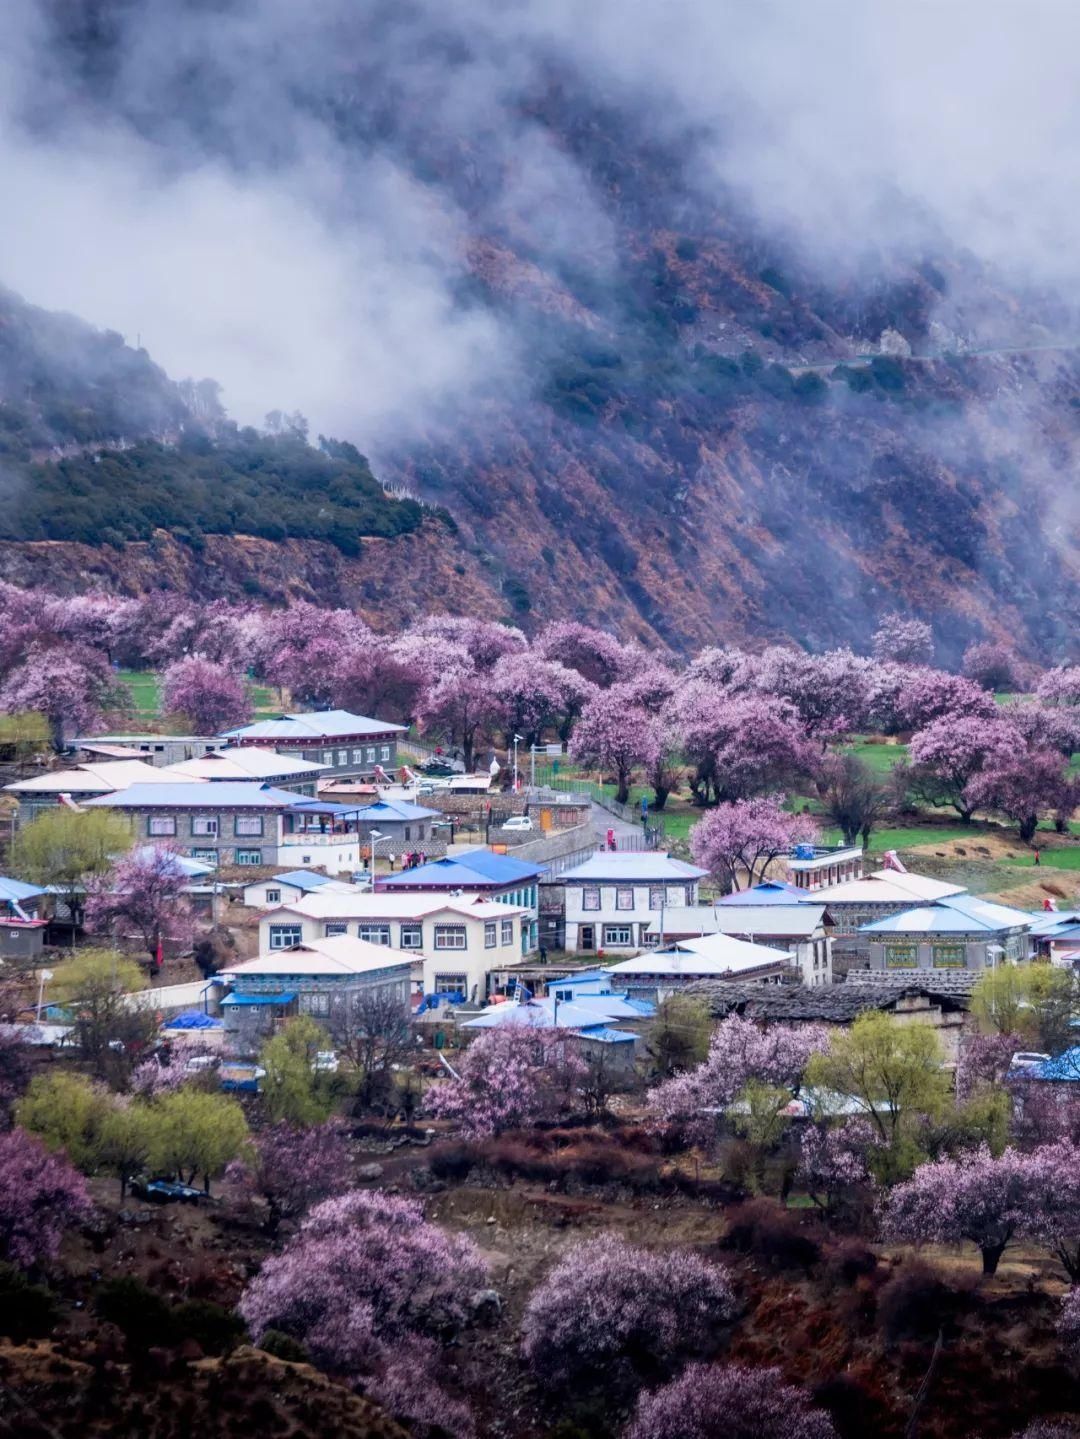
(1067, 857)
(880, 757)
(145, 687)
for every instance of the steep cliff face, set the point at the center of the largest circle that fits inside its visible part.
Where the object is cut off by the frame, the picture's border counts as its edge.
(391, 581)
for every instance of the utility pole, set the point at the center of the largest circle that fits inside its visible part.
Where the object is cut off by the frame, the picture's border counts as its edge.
(517, 741)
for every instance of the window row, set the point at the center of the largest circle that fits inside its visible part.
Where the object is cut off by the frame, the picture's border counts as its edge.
(245, 826)
(660, 896)
(410, 935)
(358, 755)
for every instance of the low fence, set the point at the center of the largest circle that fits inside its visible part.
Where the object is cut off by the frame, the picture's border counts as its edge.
(628, 813)
(170, 997)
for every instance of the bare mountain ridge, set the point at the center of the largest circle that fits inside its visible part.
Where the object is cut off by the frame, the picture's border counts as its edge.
(690, 442)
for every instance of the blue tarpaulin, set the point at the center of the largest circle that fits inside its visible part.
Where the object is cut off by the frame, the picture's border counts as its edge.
(193, 1019)
(258, 999)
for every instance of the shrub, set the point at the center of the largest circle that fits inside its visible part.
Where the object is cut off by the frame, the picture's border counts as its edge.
(607, 1299)
(916, 1302)
(773, 1234)
(143, 1317)
(711, 1400)
(216, 1330)
(849, 1261)
(452, 1161)
(284, 1346)
(27, 1311)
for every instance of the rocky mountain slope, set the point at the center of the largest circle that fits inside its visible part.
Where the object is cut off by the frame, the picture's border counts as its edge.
(704, 436)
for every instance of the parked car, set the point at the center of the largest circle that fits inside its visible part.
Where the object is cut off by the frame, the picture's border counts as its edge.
(167, 1191)
(518, 821)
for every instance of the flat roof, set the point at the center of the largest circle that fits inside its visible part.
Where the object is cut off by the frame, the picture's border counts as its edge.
(364, 905)
(341, 954)
(240, 763)
(98, 777)
(650, 866)
(227, 794)
(474, 869)
(306, 727)
(789, 921)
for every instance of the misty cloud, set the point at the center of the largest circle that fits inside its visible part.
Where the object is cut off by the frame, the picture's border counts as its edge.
(195, 191)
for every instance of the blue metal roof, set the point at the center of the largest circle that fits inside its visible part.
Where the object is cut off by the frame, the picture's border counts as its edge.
(604, 1035)
(305, 880)
(392, 809)
(14, 890)
(225, 794)
(772, 891)
(475, 869)
(953, 914)
(285, 998)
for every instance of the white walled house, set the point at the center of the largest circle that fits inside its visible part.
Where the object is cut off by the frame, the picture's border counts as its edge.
(327, 979)
(457, 939)
(657, 974)
(797, 928)
(613, 898)
(293, 884)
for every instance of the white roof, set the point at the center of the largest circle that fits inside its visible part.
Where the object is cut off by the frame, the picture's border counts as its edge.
(98, 777)
(242, 763)
(792, 921)
(338, 955)
(884, 886)
(567, 1014)
(711, 955)
(363, 905)
(631, 867)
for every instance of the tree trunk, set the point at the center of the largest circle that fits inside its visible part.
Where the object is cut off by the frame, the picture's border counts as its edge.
(991, 1257)
(1028, 826)
(622, 793)
(660, 794)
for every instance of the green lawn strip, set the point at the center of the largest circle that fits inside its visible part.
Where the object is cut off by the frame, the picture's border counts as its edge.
(880, 757)
(1065, 857)
(145, 686)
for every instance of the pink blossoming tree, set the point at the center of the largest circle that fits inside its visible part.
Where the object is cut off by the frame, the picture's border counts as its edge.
(616, 735)
(906, 641)
(143, 895)
(458, 707)
(1060, 686)
(739, 1052)
(740, 745)
(830, 692)
(709, 1400)
(975, 1197)
(366, 1272)
(992, 666)
(71, 685)
(607, 1299)
(511, 1077)
(834, 1161)
(41, 1197)
(292, 1169)
(208, 696)
(951, 751)
(737, 842)
(1021, 788)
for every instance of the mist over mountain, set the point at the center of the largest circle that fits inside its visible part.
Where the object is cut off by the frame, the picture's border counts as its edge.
(604, 283)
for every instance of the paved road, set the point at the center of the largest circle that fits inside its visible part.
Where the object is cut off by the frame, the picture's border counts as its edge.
(603, 820)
